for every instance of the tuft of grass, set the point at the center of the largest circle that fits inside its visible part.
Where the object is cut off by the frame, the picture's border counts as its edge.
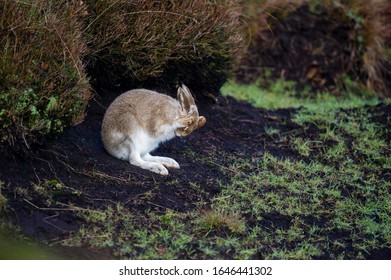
(221, 220)
(302, 146)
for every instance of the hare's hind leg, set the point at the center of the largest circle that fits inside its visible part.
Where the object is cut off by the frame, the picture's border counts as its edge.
(156, 167)
(134, 157)
(167, 162)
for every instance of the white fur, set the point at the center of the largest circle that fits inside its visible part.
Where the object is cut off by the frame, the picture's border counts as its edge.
(144, 143)
(141, 145)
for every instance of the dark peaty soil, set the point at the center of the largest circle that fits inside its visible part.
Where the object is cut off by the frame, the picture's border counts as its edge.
(315, 49)
(78, 160)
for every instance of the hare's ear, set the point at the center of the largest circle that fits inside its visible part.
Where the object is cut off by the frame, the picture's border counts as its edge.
(185, 98)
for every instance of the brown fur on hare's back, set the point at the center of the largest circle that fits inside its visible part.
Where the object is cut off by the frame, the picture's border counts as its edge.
(138, 120)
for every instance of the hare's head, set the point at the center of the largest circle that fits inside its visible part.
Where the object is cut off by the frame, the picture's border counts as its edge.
(188, 108)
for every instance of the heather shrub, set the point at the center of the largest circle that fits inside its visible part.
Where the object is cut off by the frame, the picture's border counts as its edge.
(163, 42)
(43, 87)
(327, 45)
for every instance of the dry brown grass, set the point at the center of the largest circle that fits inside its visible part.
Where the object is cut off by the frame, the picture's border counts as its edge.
(43, 87)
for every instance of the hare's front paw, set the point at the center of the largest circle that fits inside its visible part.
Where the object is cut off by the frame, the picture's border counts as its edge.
(185, 121)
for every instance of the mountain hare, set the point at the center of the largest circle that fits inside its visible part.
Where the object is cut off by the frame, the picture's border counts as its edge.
(138, 120)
